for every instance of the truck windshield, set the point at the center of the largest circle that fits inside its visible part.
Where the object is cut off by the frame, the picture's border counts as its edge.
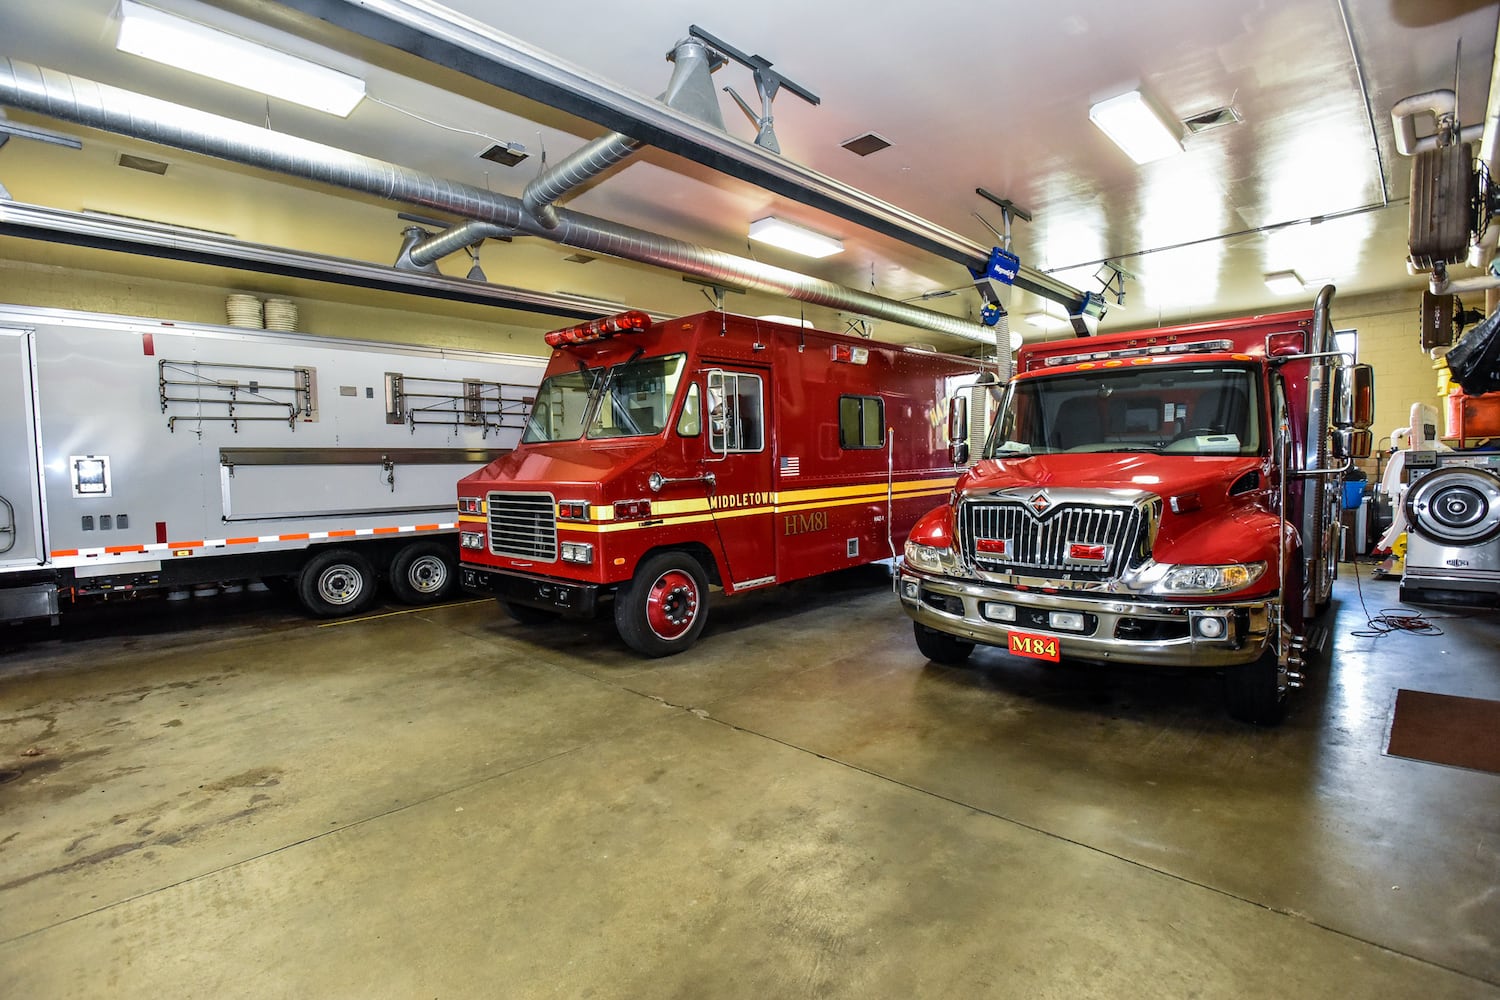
(626, 400)
(1212, 410)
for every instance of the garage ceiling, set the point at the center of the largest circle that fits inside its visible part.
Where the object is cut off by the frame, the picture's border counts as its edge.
(993, 96)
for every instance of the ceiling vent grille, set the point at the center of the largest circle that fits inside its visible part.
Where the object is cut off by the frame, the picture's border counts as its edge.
(864, 145)
(142, 163)
(1210, 120)
(507, 155)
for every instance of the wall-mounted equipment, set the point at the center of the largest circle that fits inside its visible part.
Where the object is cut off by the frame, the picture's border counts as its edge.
(90, 475)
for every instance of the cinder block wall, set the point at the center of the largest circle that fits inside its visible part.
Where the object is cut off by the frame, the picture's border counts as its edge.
(1389, 341)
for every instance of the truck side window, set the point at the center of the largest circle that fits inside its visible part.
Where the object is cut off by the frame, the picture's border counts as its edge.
(861, 422)
(690, 423)
(736, 420)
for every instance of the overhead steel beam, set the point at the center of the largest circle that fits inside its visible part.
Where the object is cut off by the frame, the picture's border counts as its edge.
(77, 229)
(447, 38)
(95, 105)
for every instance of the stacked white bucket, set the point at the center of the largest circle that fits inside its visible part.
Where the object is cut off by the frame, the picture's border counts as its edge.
(249, 311)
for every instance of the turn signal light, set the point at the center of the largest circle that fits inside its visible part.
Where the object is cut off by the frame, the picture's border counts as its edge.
(572, 510)
(632, 510)
(1186, 503)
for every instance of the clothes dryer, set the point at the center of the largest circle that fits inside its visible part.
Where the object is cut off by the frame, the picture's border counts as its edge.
(1452, 506)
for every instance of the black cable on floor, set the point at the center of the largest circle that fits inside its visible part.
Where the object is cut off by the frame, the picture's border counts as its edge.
(1392, 619)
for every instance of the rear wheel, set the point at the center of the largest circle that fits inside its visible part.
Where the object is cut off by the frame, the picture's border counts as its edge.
(336, 582)
(422, 572)
(663, 609)
(940, 647)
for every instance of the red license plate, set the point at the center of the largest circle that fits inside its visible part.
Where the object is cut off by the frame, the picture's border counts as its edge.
(1038, 647)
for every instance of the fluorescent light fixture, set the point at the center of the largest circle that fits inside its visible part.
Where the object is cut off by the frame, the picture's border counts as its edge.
(1045, 322)
(1136, 127)
(788, 320)
(608, 305)
(794, 238)
(197, 48)
(1284, 283)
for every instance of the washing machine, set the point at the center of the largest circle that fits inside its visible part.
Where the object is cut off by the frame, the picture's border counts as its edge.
(1453, 525)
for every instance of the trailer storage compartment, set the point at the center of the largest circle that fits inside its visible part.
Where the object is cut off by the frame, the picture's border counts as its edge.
(146, 454)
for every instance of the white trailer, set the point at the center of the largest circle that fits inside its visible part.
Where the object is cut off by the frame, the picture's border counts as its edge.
(138, 454)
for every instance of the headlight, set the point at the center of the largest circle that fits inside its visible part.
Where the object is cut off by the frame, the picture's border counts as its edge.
(928, 559)
(1189, 580)
(578, 552)
(471, 539)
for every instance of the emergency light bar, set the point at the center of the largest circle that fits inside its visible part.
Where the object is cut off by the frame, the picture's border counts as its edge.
(630, 321)
(1186, 347)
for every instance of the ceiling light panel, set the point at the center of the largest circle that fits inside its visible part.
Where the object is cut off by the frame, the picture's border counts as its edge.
(1135, 126)
(1285, 283)
(187, 45)
(794, 238)
(1043, 321)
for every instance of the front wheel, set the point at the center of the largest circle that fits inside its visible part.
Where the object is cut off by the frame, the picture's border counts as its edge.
(422, 572)
(662, 610)
(1256, 692)
(336, 582)
(940, 647)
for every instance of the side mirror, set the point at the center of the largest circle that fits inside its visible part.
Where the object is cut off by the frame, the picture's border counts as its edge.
(1352, 442)
(958, 430)
(958, 418)
(1354, 397)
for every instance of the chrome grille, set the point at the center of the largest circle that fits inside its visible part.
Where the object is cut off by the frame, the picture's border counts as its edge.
(1044, 545)
(523, 525)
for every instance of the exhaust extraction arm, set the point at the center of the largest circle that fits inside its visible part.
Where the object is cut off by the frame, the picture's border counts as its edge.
(445, 37)
(94, 105)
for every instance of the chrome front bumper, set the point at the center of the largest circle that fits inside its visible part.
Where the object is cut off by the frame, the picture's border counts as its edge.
(1123, 631)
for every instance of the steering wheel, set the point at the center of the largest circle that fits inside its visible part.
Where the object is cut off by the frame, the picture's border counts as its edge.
(1194, 432)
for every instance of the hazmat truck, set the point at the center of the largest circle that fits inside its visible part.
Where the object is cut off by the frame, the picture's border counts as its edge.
(143, 454)
(1168, 497)
(663, 459)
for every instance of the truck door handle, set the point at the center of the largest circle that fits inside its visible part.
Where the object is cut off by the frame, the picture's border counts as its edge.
(9, 527)
(657, 480)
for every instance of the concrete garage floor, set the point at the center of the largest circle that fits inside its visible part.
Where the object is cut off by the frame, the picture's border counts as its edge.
(230, 800)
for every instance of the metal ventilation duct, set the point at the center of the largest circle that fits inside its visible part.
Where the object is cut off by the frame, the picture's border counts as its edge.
(433, 32)
(88, 103)
(691, 91)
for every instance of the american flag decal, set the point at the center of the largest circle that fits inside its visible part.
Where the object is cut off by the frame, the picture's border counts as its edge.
(790, 465)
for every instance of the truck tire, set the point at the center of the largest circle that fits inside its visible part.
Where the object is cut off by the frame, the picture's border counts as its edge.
(662, 610)
(336, 582)
(423, 572)
(1255, 693)
(940, 647)
(525, 614)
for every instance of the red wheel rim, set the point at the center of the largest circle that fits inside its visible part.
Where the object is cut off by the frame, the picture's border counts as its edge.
(672, 604)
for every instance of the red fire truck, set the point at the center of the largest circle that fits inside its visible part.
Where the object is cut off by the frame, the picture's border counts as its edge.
(661, 458)
(1163, 497)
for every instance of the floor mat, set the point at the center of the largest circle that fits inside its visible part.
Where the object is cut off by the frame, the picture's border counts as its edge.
(1445, 729)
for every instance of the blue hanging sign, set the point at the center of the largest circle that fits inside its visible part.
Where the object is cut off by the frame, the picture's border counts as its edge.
(1003, 266)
